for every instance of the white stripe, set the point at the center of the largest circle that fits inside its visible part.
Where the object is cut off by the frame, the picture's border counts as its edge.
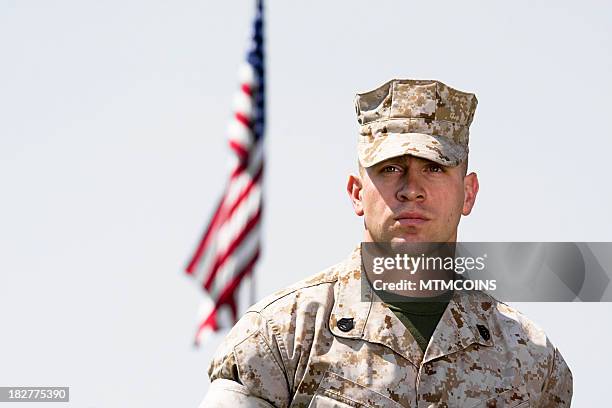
(205, 262)
(236, 262)
(207, 306)
(236, 187)
(240, 134)
(227, 231)
(243, 103)
(239, 184)
(246, 75)
(255, 157)
(245, 211)
(204, 334)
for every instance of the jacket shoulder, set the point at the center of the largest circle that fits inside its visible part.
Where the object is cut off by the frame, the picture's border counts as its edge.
(514, 323)
(538, 356)
(317, 284)
(259, 352)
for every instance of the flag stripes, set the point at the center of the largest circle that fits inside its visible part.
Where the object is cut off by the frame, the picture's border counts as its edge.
(231, 243)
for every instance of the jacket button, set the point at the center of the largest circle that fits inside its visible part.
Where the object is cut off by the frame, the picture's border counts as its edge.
(346, 324)
(484, 332)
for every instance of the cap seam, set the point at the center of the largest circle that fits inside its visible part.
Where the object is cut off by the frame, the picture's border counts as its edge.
(408, 133)
(437, 81)
(434, 120)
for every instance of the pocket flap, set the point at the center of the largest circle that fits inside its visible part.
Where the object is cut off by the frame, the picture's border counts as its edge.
(337, 391)
(514, 398)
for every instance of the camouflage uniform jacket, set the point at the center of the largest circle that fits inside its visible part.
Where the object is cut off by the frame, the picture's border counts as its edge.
(289, 350)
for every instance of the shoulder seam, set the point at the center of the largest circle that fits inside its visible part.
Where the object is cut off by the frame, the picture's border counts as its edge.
(261, 308)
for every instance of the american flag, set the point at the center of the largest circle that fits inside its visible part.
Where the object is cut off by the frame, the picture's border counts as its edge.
(231, 243)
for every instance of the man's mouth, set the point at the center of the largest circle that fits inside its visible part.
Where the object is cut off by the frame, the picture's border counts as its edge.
(411, 218)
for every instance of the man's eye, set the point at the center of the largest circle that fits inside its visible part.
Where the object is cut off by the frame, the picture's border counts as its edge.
(435, 168)
(390, 169)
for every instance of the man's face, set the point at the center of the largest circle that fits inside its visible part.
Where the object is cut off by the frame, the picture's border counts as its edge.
(409, 199)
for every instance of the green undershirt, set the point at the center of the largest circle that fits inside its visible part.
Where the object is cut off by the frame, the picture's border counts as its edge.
(421, 318)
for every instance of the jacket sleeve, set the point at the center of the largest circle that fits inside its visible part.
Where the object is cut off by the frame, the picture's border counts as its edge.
(250, 362)
(558, 386)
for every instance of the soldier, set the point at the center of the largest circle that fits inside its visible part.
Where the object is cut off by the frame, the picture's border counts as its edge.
(326, 342)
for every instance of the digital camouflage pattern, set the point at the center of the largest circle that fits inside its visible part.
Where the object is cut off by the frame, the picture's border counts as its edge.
(426, 119)
(290, 350)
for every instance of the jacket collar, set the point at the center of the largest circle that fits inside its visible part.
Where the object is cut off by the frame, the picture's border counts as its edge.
(374, 322)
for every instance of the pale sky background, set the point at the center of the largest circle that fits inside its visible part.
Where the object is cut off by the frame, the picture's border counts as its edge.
(113, 154)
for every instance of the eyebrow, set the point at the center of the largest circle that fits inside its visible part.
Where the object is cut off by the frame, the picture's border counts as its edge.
(400, 160)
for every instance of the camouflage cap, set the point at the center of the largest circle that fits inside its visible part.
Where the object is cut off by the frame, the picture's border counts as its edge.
(423, 118)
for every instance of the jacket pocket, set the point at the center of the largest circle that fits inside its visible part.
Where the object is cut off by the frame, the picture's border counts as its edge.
(336, 391)
(514, 398)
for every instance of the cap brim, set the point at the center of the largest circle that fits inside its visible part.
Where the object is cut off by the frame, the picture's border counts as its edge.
(438, 149)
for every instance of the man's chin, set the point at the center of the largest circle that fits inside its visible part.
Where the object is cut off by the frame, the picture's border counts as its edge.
(410, 238)
(405, 236)
(414, 235)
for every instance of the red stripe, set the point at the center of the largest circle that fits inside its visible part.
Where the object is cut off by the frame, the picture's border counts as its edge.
(246, 88)
(241, 167)
(212, 226)
(240, 117)
(220, 260)
(231, 208)
(227, 297)
(210, 321)
(239, 149)
(243, 164)
(245, 192)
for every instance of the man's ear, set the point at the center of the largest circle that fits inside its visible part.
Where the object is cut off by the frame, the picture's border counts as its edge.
(354, 188)
(470, 187)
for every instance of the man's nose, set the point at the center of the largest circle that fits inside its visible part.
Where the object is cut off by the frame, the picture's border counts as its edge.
(411, 188)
